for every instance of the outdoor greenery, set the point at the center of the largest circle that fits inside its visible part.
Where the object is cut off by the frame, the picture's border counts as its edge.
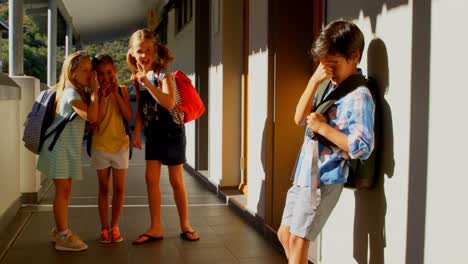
(117, 49)
(35, 51)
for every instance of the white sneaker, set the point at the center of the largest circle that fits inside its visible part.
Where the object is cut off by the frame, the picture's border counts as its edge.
(69, 242)
(53, 235)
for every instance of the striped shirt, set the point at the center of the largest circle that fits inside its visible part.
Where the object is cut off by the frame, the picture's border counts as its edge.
(353, 115)
(64, 161)
(150, 108)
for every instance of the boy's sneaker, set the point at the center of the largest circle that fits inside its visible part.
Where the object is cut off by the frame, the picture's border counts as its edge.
(115, 234)
(105, 237)
(69, 242)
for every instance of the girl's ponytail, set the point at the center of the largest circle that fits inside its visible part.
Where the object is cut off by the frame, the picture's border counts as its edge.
(164, 56)
(132, 63)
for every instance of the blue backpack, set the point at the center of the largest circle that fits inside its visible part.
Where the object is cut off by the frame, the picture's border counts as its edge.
(40, 119)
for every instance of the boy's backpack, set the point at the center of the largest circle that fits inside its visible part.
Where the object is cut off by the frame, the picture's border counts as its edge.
(39, 120)
(89, 135)
(362, 173)
(190, 102)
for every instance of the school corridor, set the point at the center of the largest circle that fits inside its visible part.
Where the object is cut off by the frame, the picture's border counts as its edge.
(225, 236)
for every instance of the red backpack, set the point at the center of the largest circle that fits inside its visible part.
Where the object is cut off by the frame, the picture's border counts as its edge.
(190, 102)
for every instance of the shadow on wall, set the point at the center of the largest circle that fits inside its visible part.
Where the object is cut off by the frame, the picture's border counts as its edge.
(263, 157)
(371, 205)
(419, 132)
(370, 8)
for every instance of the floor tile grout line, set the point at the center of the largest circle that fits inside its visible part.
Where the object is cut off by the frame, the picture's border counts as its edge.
(125, 205)
(134, 197)
(4, 254)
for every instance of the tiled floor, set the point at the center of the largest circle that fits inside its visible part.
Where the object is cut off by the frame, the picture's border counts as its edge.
(225, 237)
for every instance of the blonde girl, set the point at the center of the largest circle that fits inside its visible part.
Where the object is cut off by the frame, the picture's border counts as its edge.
(110, 145)
(164, 132)
(63, 163)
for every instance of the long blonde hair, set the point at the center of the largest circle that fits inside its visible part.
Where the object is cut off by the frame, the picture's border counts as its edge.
(164, 56)
(68, 68)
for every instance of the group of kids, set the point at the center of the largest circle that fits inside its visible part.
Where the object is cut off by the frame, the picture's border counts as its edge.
(88, 86)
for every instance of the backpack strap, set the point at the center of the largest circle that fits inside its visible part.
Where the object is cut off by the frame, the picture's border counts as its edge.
(58, 130)
(127, 130)
(321, 91)
(175, 112)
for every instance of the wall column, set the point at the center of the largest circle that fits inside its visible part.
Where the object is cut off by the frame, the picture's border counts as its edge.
(52, 43)
(15, 38)
(69, 38)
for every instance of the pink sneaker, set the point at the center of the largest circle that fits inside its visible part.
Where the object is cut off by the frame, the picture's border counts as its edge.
(115, 235)
(105, 238)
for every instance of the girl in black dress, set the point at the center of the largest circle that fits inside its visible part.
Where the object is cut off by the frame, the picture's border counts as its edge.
(163, 127)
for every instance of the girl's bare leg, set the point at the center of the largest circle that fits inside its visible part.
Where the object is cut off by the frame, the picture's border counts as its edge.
(152, 176)
(61, 201)
(180, 196)
(103, 196)
(118, 194)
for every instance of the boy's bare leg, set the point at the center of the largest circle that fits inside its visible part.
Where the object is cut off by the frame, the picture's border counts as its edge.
(298, 249)
(103, 196)
(283, 236)
(118, 192)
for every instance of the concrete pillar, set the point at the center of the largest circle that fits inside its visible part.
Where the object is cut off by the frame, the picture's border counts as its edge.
(15, 38)
(30, 178)
(52, 43)
(69, 39)
(1, 62)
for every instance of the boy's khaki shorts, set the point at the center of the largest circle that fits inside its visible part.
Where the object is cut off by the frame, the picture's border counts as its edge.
(302, 219)
(103, 160)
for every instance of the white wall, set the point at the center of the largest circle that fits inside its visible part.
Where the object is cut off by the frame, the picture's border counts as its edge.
(182, 45)
(392, 27)
(446, 215)
(9, 156)
(30, 178)
(257, 105)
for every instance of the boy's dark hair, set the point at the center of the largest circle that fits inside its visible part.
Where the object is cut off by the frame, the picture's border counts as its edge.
(340, 37)
(102, 58)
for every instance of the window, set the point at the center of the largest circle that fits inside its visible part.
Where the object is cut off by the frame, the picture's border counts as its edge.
(161, 31)
(184, 12)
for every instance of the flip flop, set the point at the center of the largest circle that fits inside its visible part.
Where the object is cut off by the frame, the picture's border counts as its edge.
(184, 235)
(149, 239)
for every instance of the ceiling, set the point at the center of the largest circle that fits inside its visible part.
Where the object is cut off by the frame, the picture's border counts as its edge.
(94, 20)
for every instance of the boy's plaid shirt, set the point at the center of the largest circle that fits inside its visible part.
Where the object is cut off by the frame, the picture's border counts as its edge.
(354, 116)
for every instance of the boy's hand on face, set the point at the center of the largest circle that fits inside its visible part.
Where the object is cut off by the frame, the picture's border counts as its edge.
(323, 71)
(315, 121)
